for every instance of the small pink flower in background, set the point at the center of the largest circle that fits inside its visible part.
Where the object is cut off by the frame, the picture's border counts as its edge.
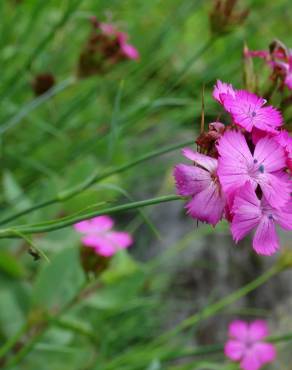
(279, 59)
(251, 213)
(201, 183)
(98, 234)
(237, 165)
(246, 344)
(247, 111)
(128, 50)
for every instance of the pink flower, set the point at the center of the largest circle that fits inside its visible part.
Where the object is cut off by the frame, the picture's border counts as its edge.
(250, 213)
(99, 236)
(285, 140)
(201, 183)
(246, 344)
(264, 168)
(222, 88)
(247, 111)
(107, 29)
(128, 50)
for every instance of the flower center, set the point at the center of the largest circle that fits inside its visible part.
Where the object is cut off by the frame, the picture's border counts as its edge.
(261, 168)
(253, 114)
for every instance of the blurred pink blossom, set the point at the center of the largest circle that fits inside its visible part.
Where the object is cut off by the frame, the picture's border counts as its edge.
(246, 344)
(98, 234)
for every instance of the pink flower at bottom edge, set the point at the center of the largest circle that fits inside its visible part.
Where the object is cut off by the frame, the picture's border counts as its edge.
(200, 182)
(246, 344)
(98, 234)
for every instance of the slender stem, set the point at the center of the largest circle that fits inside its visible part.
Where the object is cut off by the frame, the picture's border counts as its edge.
(163, 341)
(12, 341)
(14, 232)
(217, 348)
(222, 303)
(70, 193)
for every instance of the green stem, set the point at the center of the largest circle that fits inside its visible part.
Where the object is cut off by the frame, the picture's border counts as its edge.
(70, 193)
(217, 348)
(12, 341)
(14, 232)
(222, 303)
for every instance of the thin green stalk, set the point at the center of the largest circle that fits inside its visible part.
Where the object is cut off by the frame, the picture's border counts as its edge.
(12, 341)
(217, 348)
(222, 303)
(163, 340)
(34, 104)
(14, 232)
(90, 181)
(14, 80)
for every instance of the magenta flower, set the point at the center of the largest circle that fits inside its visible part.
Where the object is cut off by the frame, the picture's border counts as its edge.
(200, 182)
(250, 213)
(222, 88)
(98, 234)
(246, 344)
(264, 168)
(247, 110)
(128, 50)
(285, 140)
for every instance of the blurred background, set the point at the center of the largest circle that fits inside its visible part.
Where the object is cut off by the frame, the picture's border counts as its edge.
(66, 119)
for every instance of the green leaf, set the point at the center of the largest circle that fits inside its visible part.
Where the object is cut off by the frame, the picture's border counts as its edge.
(11, 266)
(13, 193)
(59, 281)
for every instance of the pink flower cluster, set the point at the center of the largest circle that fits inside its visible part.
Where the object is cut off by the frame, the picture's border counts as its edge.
(279, 59)
(98, 234)
(246, 344)
(246, 176)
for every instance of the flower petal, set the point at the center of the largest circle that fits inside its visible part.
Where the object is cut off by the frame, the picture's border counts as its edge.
(190, 180)
(208, 205)
(222, 88)
(266, 352)
(266, 240)
(258, 330)
(209, 163)
(247, 212)
(95, 225)
(120, 239)
(234, 349)
(250, 361)
(238, 329)
(270, 154)
(235, 159)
